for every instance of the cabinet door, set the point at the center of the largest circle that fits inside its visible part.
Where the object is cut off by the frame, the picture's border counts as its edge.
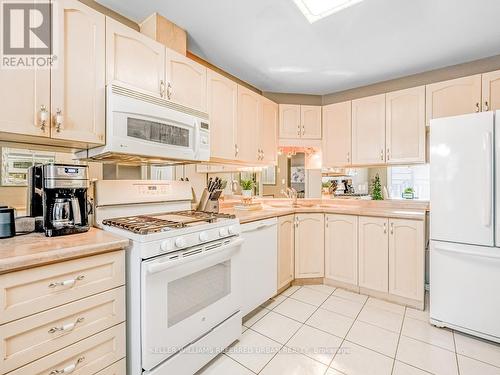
(452, 98)
(268, 131)
(337, 135)
(249, 107)
(289, 121)
(310, 120)
(373, 253)
(134, 59)
(24, 94)
(368, 130)
(186, 81)
(309, 246)
(78, 79)
(286, 249)
(406, 258)
(491, 91)
(405, 126)
(341, 248)
(222, 95)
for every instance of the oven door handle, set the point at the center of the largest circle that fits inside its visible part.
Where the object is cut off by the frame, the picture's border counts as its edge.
(221, 251)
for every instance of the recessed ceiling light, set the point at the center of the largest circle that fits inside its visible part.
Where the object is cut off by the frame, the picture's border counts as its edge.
(315, 10)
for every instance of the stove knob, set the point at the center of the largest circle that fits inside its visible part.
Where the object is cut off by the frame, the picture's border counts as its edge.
(166, 245)
(180, 242)
(231, 229)
(203, 236)
(223, 232)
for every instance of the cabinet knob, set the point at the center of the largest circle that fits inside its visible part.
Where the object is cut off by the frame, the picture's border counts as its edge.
(303, 129)
(69, 369)
(348, 156)
(44, 116)
(385, 228)
(169, 91)
(388, 153)
(236, 150)
(382, 154)
(478, 108)
(162, 88)
(486, 106)
(59, 120)
(392, 228)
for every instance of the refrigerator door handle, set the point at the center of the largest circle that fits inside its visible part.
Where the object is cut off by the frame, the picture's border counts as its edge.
(465, 252)
(487, 147)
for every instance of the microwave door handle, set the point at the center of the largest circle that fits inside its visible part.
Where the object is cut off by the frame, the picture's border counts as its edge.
(196, 138)
(228, 248)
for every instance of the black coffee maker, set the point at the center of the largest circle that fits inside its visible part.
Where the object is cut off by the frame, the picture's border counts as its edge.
(58, 194)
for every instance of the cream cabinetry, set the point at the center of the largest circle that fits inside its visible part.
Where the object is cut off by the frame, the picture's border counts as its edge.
(186, 81)
(341, 248)
(286, 248)
(222, 95)
(491, 91)
(406, 258)
(373, 253)
(289, 118)
(268, 132)
(336, 149)
(405, 126)
(368, 130)
(134, 59)
(309, 246)
(452, 98)
(78, 79)
(64, 317)
(249, 116)
(64, 105)
(299, 121)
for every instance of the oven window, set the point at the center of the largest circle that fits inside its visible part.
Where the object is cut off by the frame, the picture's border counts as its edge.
(157, 132)
(192, 293)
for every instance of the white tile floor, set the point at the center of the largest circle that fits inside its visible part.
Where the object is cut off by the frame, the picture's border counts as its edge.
(320, 330)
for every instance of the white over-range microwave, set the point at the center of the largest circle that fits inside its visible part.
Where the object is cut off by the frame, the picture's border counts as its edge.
(141, 128)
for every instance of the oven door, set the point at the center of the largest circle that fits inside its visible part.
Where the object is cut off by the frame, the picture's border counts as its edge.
(184, 295)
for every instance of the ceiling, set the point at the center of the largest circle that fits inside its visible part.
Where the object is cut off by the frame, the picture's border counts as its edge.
(271, 45)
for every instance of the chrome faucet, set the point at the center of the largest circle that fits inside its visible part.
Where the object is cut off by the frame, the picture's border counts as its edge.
(291, 193)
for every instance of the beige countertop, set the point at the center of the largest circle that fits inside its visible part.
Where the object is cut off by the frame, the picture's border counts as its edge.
(280, 207)
(35, 249)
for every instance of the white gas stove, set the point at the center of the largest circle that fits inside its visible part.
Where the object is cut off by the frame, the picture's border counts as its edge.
(183, 303)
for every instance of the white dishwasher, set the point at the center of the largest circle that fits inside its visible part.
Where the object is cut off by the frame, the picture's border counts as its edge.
(258, 263)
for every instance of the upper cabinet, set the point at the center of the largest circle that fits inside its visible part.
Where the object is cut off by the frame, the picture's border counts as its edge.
(336, 148)
(491, 91)
(452, 98)
(222, 99)
(65, 105)
(368, 130)
(299, 121)
(310, 121)
(78, 80)
(186, 81)
(268, 132)
(289, 118)
(249, 117)
(405, 126)
(134, 59)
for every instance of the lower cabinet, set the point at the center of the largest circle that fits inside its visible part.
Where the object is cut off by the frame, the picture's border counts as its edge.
(286, 248)
(373, 253)
(406, 258)
(309, 246)
(341, 248)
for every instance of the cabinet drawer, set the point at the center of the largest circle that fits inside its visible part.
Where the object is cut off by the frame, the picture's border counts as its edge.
(118, 368)
(30, 291)
(28, 339)
(86, 357)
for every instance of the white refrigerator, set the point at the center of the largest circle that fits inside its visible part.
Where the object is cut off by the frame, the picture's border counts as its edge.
(464, 224)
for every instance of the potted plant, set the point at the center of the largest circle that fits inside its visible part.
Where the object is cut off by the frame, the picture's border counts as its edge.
(247, 187)
(377, 189)
(408, 193)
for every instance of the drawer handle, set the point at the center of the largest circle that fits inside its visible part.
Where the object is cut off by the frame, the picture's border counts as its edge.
(69, 369)
(69, 282)
(67, 327)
